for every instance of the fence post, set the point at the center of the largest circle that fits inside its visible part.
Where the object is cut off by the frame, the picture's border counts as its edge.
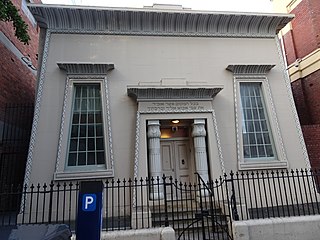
(166, 219)
(50, 202)
(233, 199)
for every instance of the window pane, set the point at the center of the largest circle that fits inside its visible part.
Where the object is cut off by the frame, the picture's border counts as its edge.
(77, 105)
(82, 159)
(74, 131)
(90, 130)
(100, 158)
(84, 105)
(257, 139)
(98, 130)
(91, 144)
(83, 131)
(72, 159)
(82, 144)
(100, 144)
(99, 117)
(90, 118)
(73, 144)
(86, 143)
(83, 118)
(91, 158)
(75, 118)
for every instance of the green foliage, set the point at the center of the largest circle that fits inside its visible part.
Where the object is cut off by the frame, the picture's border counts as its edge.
(9, 13)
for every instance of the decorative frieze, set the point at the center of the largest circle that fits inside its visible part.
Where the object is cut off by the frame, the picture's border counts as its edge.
(176, 106)
(156, 22)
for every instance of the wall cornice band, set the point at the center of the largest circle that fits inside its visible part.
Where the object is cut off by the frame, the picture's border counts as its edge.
(250, 69)
(183, 93)
(86, 68)
(158, 22)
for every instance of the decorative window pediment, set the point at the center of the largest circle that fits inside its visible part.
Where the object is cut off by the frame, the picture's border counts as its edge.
(262, 69)
(184, 92)
(86, 68)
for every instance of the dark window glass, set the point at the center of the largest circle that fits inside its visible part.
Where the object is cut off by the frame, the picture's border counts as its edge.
(86, 143)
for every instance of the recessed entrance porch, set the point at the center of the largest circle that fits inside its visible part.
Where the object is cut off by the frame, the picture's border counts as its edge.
(176, 150)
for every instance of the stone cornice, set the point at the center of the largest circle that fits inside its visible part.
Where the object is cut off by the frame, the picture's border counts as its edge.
(173, 92)
(145, 21)
(250, 69)
(86, 68)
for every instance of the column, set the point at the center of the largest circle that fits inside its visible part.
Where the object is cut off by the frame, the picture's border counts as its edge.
(200, 150)
(155, 165)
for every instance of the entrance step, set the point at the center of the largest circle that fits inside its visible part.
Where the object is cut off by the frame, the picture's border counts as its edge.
(192, 222)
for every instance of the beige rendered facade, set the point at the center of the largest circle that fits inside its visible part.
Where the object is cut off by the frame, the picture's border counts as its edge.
(112, 82)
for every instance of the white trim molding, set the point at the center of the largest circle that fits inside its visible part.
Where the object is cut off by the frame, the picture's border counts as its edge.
(292, 104)
(258, 73)
(37, 107)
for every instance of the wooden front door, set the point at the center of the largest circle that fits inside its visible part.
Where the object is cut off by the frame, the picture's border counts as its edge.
(175, 156)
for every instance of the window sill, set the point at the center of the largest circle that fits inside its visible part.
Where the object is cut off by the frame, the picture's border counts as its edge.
(82, 175)
(256, 165)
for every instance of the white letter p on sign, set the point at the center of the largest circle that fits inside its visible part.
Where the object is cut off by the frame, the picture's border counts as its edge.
(88, 201)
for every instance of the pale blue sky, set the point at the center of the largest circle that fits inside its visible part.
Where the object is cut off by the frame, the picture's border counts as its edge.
(212, 5)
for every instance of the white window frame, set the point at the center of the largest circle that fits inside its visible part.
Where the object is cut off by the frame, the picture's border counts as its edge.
(279, 160)
(65, 172)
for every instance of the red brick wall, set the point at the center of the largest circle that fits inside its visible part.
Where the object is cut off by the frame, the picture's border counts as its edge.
(304, 37)
(312, 93)
(312, 139)
(306, 93)
(301, 101)
(289, 47)
(17, 83)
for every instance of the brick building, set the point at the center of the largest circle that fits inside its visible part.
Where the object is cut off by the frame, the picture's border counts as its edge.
(17, 79)
(17, 83)
(301, 43)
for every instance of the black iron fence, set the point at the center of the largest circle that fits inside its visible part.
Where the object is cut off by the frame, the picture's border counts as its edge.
(279, 193)
(201, 210)
(15, 132)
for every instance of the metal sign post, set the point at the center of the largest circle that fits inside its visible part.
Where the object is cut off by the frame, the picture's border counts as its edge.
(89, 218)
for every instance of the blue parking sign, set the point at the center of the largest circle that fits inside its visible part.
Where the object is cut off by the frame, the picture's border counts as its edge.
(89, 215)
(89, 202)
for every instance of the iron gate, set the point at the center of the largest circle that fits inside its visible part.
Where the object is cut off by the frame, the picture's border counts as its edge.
(14, 143)
(197, 211)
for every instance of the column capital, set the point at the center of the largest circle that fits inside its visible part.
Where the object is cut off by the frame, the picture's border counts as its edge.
(153, 123)
(199, 128)
(199, 122)
(154, 129)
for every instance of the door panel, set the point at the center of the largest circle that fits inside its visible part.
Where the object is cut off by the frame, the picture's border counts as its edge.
(167, 159)
(182, 160)
(175, 156)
